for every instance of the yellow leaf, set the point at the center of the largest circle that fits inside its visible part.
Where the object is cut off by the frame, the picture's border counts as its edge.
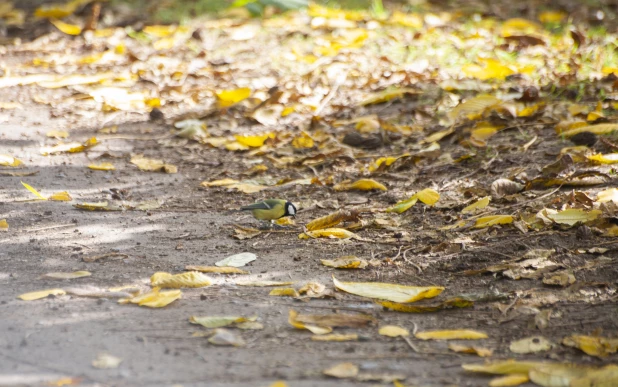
(336, 337)
(152, 165)
(492, 220)
(492, 69)
(572, 216)
(411, 20)
(219, 321)
(387, 95)
(592, 345)
(483, 134)
(59, 134)
(428, 196)
(476, 105)
(596, 129)
(317, 330)
(4, 225)
(69, 29)
(99, 206)
(231, 97)
(216, 269)
(390, 292)
(504, 367)
(154, 298)
(41, 294)
(480, 351)
(72, 147)
(331, 220)
(478, 205)
(530, 110)
(285, 222)
(192, 279)
(61, 197)
(552, 16)
(519, 26)
(387, 161)
(219, 183)
(338, 233)
(348, 262)
(34, 191)
(437, 136)
(303, 141)
(405, 308)
(610, 158)
(59, 10)
(361, 185)
(610, 194)
(9, 161)
(160, 31)
(460, 334)
(509, 380)
(102, 167)
(393, 331)
(254, 141)
(73, 275)
(342, 371)
(284, 292)
(403, 205)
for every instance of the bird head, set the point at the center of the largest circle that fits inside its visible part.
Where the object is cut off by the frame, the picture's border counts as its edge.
(290, 209)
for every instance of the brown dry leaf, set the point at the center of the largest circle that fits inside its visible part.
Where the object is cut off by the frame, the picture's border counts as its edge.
(216, 269)
(342, 371)
(592, 345)
(336, 337)
(9, 161)
(390, 292)
(471, 349)
(393, 331)
(332, 220)
(72, 147)
(347, 262)
(562, 278)
(154, 299)
(245, 232)
(360, 185)
(192, 279)
(337, 233)
(457, 334)
(65, 276)
(406, 308)
(219, 321)
(532, 344)
(503, 187)
(152, 165)
(4, 225)
(41, 294)
(284, 292)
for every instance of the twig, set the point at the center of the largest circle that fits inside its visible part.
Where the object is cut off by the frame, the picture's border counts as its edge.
(410, 344)
(97, 257)
(50, 227)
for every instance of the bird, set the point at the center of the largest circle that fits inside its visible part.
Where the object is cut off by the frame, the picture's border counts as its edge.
(271, 209)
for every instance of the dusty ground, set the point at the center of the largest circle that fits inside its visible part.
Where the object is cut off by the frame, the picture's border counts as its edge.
(60, 336)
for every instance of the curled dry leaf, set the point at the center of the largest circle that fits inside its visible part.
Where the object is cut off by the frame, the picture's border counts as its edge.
(472, 349)
(41, 294)
(390, 292)
(474, 106)
(152, 165)
(153, 299)
(227, 98)
(361, 185)
(592, 345)
(312, 289)
(562, 278)
(72, 147)
(216, 269)
(503, 187)
(337, 233)
(192, 279)
(254, 141)
(61, 197)
(315, 329)
(219, 321)
(457, 334)
(332, 220)
(347, 262)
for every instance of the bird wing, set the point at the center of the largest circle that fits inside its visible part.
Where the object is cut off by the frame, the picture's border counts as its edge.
(256, 206)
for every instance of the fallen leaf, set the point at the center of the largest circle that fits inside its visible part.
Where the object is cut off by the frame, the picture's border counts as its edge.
(227, 98)
(596, 129)
(72, 147)
(503, 187)
(254, 141)
(492, 220)
(572, 216)
(532, 344)
(106, 361)
(387, 95)
(237, 260)
(478, 205)
(563, 278)
(191, 279)
(427, 196)
(284, 292)
(474, 106)
(219, 321)
(347, 262)
(335, 337)
(317, 330)
(471, 349)
(224, 337)
(61, 197)
(406, 308)
(216, 269)
(360, 185)
(99, 206)
(303, 141)
(592, 345)
(458, 334)
(393, 331)
(390, 292)
(342, 371)
(9, 161)
(102, 167)
(41, 294)
(509, 380)
(34, 191)
(64, 276)
(154, 299)
(331, 220)
(312, 289)
(69, 29)
(152, 165)
(338, 233)
(4, 225)
(608, 195)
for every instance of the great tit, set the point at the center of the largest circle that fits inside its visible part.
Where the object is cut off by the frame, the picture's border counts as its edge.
(271, 209)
